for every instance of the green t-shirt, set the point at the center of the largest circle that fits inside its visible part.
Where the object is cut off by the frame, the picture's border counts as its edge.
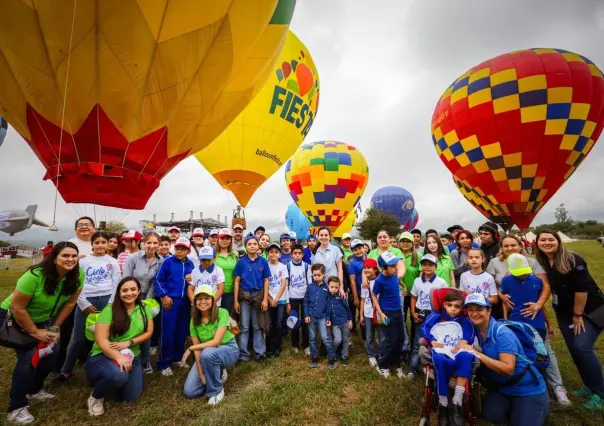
(444, 267)
(206, 332)
(40, 306)
(374, 254)
(347, 254)
(411, 272)
(137, 327)
(227, 263)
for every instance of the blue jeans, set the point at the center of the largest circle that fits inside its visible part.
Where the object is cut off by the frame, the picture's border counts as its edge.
(552, 371)
(414, 362)
(390, 347)
(227, 301)
(317, 325)
(249, 314)
(105, 376)
(213, 361)
(581, 348)
(341, 336)
(515, 410)
(370, 337)
(78, 342)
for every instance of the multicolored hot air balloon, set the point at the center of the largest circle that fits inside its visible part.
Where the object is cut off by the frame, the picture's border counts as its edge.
(112, 95)
(412, 221)
(326, 180)
(296, 221)
(347, 225)
(395, 201)
(513, 129)
(270, 129)
(3, 129)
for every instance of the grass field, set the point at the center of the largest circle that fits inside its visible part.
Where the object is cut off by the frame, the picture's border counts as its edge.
(282, 391)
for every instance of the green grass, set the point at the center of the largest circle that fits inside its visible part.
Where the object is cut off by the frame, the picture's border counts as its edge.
(280, 392)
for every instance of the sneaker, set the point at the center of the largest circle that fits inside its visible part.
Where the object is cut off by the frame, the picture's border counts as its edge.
(458, 417)
(561, 396)
(225, 376)
(153, 351)
(295, 350)
(314, 363)
(20, 416)
(443, 415)
(399, 373)
(183, 365)
(95, 406)
(410, 376)
(307, 351)
(259, 358)
(41, 396)
(147, 369)
(595, 403)
(277, 354)
(63, 378)
(331, 364)
(583, 393)
(167, 372)
(372, 361)
(243, 360)
(345, 361)
(384, 372)
(215, 400)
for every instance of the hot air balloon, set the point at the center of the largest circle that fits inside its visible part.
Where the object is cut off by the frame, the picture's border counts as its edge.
(3, 129)
(513, 129)
(412, 221)
(326, 180)
(347, 225)
(395, 201)
(296, 221)
(270, 129)
(112, 95)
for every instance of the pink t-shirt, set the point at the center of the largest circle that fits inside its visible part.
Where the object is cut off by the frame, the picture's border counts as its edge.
(121, 260)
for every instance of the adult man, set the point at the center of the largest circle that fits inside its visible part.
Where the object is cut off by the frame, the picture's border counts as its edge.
(238, 244)
(346, 240)
(84, 228)
(259, 231)
(489, 237)
(47, 249)
(417, 240)
(173, 234)
(286, 248)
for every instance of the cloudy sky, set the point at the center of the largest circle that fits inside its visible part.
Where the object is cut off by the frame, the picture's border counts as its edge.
(382, 69)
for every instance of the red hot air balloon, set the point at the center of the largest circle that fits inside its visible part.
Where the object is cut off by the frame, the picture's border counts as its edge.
(513, 129)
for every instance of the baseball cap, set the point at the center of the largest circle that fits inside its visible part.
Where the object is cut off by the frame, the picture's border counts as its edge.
(273, 245)
(225, 232)
(248, 237)
(311, 237)
(213, 232)
(197, 232)
(238, 226)
(174, 228)
(450, 229)
(205, 289)
(346, 236)
(518, 265)
(429, 258)
(206, 253)
(406, 236)
(293, 321)
(370, 263)
(477, 299)
(183, 242)
(292, 235)
(260, 228)
(416, 231)
(284, 236)
(133, 235)
(489, 227)
(387, 259)
(355, 243)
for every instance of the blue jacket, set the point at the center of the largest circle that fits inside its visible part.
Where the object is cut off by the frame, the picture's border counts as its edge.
(315, 300)
(170, 279)
(436, 317)
(338, 311)
(307, 255)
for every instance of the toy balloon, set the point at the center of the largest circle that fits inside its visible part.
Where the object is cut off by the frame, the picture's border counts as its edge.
(296, 221)
(395, 201)
(513, 129)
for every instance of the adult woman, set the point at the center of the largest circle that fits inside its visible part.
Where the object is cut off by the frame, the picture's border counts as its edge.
(330, 256)
(459, 256)
(197, 242)
(144, 266)
(132, 242)
(579, 304)
(214, 346)
(444, 267)
(45, 294)
(264, 240)
(114, 362)
(383, 241)
(226, 259)
(411, 259)
(525, 400)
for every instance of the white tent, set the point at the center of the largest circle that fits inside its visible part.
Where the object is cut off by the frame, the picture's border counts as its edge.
(564, 238)
(530, 236)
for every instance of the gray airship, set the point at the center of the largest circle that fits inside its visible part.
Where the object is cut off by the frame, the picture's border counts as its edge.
(13, 221)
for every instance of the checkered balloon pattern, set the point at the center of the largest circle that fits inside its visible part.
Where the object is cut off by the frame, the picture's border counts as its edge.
(514, 128)
(326, 180)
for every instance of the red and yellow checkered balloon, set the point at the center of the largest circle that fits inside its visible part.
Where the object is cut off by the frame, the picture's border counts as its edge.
(514, 128)
(326, 180)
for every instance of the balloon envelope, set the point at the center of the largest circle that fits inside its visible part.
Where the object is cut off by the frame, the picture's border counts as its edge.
(347, 225)
(132, 87)
(3, 130)
(270, 129)
(412, 221)
(296, 221)
(326, 180)
(395, 201)
(513, 129)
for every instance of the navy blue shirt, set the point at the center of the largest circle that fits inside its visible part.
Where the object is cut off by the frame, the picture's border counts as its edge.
(453, 246)
(338, 311)
(315, 300)
(285, 258)
(252, 273)
(307, 255)
(355, 267)
(521, 292)
(389, 293)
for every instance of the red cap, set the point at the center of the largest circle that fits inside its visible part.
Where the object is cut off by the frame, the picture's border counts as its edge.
(133, 235)
(370, 263)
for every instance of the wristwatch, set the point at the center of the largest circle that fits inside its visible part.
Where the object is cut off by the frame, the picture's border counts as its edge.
(131, 342)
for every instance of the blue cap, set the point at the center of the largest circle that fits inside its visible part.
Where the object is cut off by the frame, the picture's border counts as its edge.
(387, 259)
(311, 237)
(477, 299)
(273, 245)
(206, 253)
(249, 237)
(429, 258)
(284, 236)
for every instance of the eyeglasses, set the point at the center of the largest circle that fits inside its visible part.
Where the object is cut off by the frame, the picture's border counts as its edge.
(84, 225)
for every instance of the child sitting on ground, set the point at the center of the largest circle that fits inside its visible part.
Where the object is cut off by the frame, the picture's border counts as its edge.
(339, 318)
(370, 272)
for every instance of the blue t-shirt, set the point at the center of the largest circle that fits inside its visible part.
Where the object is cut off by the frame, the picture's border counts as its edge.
(252, 272)
(355, 267)
(453, 246)
(285, 258)
(521, 292)
(500, 340)
(388, 291)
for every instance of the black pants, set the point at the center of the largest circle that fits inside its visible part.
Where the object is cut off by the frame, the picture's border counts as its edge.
(298, 306)
(390, 346)
(275, 333)
(66, 330)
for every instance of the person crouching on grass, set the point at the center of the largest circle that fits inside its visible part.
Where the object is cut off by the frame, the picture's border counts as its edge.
(214, 346)
(339, 318)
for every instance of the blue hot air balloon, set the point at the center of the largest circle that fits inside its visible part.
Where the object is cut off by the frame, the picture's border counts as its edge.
(395, 201)
(296, 221)
(3, 129)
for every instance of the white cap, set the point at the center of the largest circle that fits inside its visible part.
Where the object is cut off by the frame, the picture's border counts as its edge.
(213, 232)
(174, 228)
(355, 243)
(197, 232)
(293, 235)
(206, 253)
(238, 226)
(182, 242)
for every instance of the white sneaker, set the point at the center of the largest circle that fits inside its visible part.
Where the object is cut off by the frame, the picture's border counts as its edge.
(410, 376)
(20, 416)
(41, 396)
(307, 351)
(295, 350)
(372, 361)
(225, 376)
(167, 372)
(561, 396)
(215, 400)
(95, 406)
(153, 351)
(383, 372)
(183, 365)
(399, 373)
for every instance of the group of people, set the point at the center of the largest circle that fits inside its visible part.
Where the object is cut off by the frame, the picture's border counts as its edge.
(218, 292)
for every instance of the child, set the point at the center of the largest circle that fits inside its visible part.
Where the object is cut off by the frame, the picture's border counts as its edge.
(355, 272)
(286, 243)
(315, 309)
(206, 273)
(476, 280)
(389, 310)
(448, 329)
(171, 288)
(420, 304)
(164, 246)
(370, 272)
(299, 277)
(278, 300)
(339, 318)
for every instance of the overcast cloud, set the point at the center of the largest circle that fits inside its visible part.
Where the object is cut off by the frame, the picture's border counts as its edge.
(383, 66)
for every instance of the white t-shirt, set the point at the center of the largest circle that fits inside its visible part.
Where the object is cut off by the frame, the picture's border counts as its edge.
(421, 290)
(102, 276)
(193, 256)
(478, 283)
(368, 305)
(328, 257)
(278, 272)
(84, 247)
(299, 278)
(449, 333)
(199, 278)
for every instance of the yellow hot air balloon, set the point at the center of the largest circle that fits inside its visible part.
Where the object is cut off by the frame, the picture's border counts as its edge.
(112, 94)
(347, 225)
(270, 129)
